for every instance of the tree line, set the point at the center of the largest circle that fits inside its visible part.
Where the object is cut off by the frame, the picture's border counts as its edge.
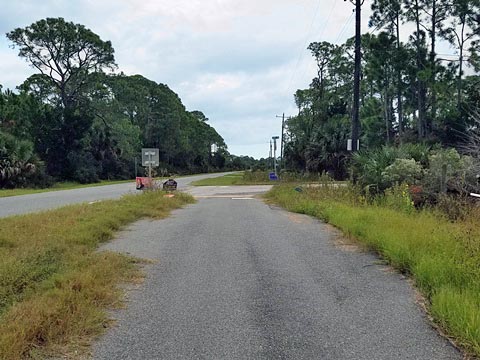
(77, 120)
(409, 92)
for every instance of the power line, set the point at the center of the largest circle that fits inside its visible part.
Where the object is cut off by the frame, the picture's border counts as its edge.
(374, 29)
(347, 23)
(332, 9)
(325, 24)
(302, 52)
(300, 56)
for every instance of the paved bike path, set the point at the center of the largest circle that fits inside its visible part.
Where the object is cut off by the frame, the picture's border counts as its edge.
(237, 279)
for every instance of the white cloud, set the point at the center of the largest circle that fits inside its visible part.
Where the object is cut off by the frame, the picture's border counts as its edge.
(238, 61)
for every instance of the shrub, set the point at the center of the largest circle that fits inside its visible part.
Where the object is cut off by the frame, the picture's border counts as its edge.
(403, 171)
(417, 151)
(448, 171)
(85, 167)
(381, 168)
(17, 161)
(368, 166)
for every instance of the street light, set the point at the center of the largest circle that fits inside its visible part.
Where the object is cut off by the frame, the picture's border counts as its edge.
(275, 138)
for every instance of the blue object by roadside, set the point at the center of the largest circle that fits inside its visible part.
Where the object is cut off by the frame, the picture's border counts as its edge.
(273, 176)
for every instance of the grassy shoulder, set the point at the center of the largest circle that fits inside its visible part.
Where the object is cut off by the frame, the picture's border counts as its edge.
(260, 178)
(69, 185)
(230, 179)
(247, 178)
(60, 186)
(442, 257)
(55, 287)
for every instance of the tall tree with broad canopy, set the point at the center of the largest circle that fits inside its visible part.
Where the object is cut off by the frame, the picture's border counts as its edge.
(64, 52)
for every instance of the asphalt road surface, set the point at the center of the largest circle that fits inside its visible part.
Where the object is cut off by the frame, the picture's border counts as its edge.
(234, 278)
(23, 204)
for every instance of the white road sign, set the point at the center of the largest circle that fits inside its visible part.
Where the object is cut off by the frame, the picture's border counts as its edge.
(150, 157)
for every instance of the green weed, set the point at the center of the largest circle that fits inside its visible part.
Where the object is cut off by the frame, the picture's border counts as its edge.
(442, 256)
(225, 180)
(262, 178)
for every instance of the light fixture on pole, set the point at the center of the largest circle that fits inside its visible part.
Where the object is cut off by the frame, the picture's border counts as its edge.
(275, 138)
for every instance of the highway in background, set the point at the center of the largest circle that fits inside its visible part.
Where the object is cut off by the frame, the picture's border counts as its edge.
(16, 205)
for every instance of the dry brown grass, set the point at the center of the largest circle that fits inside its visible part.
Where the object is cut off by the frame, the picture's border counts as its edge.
(55, 286)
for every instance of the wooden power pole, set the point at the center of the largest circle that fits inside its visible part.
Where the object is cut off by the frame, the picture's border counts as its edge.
(356, 84)
(282, 141)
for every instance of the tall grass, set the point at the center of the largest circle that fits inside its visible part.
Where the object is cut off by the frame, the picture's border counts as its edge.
(261, 178)
(54, 284)
(443, 257)
(224, 180)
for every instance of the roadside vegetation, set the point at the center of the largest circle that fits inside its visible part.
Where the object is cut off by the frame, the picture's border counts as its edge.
(259, 177)
(74, 120)
(55, 286)
(240, 178)
(409, 92)
(411, 205)
(224, 180)
(419, 157)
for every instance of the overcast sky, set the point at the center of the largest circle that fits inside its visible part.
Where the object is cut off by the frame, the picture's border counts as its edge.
(238, 61)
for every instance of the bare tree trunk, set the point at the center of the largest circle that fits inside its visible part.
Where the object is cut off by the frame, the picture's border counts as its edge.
(420, 83)
(460, 70)
(386, 116)
(399, 87)
(433, 65)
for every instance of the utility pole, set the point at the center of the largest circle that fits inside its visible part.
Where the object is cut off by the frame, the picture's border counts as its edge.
(283, 137)
(270, 155)
(356, 85)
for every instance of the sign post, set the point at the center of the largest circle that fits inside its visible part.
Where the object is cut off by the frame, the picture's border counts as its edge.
(150, 158)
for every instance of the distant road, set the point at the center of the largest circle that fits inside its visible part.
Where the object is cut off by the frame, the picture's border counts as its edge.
(23, 204)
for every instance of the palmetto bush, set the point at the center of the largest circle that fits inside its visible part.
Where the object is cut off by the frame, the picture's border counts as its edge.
(370, 167)
(17, 161)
